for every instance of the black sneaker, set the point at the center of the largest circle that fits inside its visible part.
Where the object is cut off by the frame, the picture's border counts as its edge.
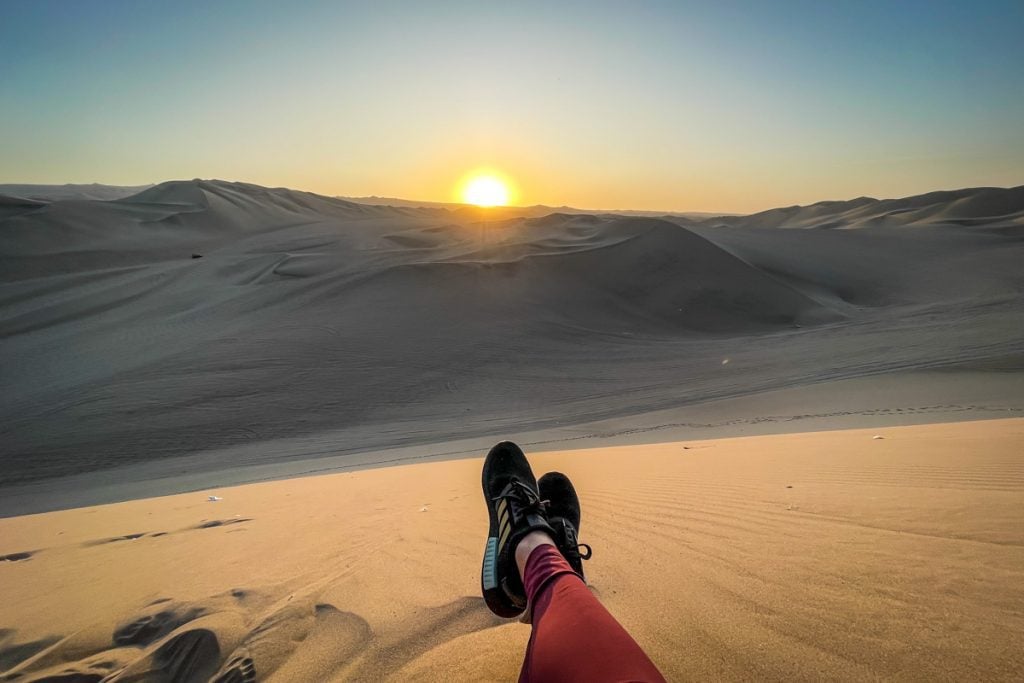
(563, 511)
(515, 509)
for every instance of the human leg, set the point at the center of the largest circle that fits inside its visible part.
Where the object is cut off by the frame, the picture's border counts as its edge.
(574, 638)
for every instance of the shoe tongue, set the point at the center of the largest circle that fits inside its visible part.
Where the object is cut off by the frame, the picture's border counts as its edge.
(521, 499)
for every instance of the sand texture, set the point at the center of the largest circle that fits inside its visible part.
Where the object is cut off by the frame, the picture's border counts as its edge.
(789, 557)
(312, 327)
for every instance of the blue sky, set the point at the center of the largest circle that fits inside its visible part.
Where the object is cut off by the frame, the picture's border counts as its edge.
(718, 106)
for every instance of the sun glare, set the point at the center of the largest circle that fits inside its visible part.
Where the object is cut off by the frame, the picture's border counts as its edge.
(486, 190)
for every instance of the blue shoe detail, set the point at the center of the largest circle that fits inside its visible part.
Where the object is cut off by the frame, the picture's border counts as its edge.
(490, 570)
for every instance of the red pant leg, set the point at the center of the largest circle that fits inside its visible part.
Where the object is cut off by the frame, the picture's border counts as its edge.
(574, 637)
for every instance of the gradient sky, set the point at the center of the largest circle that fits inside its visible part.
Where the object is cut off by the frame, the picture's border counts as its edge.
(702, 106)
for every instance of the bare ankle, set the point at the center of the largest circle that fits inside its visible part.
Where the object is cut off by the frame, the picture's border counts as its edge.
(527, 544)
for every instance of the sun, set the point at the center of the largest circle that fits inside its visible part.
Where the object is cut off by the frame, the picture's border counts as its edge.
(486, 190)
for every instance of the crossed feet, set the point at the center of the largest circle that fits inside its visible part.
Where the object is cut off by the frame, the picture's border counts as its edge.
(524, 514)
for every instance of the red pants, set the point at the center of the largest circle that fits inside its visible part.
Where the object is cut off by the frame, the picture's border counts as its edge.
(574, 637)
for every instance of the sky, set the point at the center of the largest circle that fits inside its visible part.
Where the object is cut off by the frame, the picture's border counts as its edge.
(679, 106)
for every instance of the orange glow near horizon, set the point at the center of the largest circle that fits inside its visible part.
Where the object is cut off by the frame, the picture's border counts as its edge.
(484, 187)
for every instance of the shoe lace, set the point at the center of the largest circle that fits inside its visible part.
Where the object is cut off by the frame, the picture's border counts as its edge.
(525, 497)
(572, 542)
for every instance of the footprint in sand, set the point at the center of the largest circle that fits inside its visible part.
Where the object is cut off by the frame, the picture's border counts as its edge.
(12, 653)
(213, 523)
(298, 640)
(114, 539)
(16, 557)
(167, 641)
(237, 670)
(209, 524)
(433, 627)
(43, 660)
(302, 641)
(149, 628)
(189, 657)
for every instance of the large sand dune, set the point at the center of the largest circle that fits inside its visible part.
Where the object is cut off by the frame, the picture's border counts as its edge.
(825, 556)
(362, 328)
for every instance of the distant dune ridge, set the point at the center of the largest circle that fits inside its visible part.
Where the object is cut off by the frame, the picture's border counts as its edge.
(536, 210)
(71, 191)
(384, 326)
(991, 207)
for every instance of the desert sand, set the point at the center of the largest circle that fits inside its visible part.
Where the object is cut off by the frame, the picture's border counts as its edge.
(806, 556)
(333, 371)
(311, 327)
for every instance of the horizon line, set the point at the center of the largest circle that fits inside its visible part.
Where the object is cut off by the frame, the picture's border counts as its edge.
(424, 203)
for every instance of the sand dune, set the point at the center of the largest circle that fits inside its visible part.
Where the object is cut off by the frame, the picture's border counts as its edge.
(198, 316)
(53, 193)
(994, 208)
(201, 333)
(831, 555)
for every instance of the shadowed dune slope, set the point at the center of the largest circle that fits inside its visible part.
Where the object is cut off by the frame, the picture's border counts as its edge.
(11, 206)
(199, 314)
(620, 274)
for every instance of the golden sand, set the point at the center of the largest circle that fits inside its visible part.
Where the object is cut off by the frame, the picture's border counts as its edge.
(801, 556)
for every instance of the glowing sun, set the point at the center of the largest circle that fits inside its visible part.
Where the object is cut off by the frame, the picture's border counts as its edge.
(486, 190)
